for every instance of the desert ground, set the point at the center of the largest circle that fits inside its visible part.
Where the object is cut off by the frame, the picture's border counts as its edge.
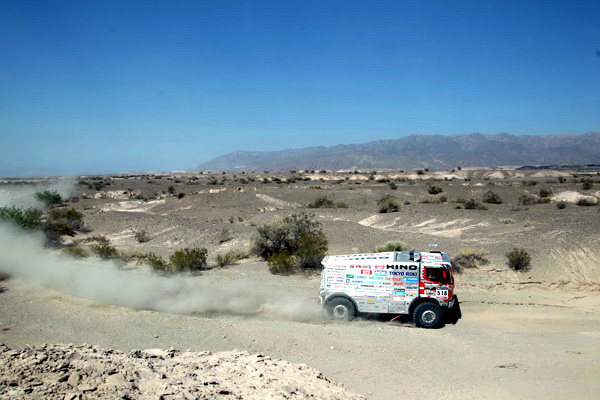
(526, 334)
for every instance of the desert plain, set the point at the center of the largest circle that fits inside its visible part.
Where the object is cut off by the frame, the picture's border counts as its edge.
(523, 334)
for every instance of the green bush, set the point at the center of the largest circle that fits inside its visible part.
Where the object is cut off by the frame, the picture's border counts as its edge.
(26, 219)
(587, 185)
(388, 204)
(491, 197)
(155, 262)
(561, 205)
(228, 258)
(585, 202)
(69, 217)
(49, 197)
(469, 258)
(394, 245)
(518, 259)
(76, 251)
(562, 179)
(545, 193)
(529, 183)
(443, 199)
(434, 189)
(171, 189)
(189, 259)
(472, 204)
(527, 200)
(105, 252)
(281, 263)
(181, 195)
(295, 241)
(321, 202)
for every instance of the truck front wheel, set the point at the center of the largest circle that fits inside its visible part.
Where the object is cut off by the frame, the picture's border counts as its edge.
(341, 309)
(428, 315)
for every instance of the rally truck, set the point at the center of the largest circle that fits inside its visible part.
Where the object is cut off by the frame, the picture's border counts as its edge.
(413, 283)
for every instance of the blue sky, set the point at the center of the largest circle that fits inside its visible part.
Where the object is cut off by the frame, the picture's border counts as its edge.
(109, 86)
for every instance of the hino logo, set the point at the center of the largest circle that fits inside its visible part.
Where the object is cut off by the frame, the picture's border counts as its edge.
(410, 267)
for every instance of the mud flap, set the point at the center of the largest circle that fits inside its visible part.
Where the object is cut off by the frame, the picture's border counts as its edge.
(453, 314)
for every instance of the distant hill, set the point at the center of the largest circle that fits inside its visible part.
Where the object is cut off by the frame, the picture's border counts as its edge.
(423, 151)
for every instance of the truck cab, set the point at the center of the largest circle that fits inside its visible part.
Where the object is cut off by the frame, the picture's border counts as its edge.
(419, 284)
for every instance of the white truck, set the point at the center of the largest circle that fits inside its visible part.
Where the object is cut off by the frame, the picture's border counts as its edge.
(418, 284)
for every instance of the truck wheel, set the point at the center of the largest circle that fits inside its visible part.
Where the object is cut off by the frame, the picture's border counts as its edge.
(341, 308)
(428, 315)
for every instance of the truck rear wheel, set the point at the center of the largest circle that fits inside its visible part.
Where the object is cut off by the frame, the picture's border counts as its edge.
(428, 315)
(341, 308)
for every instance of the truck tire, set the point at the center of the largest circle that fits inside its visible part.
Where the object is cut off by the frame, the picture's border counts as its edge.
(341, 309)
(428, 316)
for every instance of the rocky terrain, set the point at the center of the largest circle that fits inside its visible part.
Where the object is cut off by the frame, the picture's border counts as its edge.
(88, 372)
(521, 333)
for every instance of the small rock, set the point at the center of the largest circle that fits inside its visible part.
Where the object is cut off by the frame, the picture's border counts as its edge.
(156, 336)
(74, 379)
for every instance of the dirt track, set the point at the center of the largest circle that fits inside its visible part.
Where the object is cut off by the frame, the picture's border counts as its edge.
(509, 344)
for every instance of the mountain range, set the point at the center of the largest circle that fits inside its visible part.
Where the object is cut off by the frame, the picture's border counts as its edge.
(422, 151)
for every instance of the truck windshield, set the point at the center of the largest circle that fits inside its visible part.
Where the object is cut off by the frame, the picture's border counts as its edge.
(440, 274)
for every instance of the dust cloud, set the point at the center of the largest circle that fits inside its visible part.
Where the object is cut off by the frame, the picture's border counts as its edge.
(22, 254)
(23, 194)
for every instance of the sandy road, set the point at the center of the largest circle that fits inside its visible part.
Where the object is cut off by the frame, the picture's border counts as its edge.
(510, 344)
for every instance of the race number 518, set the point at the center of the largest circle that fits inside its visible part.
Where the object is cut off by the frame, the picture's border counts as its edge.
(441, 293)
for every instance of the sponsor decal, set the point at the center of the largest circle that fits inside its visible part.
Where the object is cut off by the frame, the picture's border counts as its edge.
(411, 279)
(380, 273)
(366, 272)
(393, 279)
(380, 267)
(378, 299)
(350, 276)
(411, 291)
(398, 283)
(402, 267)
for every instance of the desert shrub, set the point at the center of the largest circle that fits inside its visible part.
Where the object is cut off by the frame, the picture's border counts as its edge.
(298, 236)
(491, 197)
(393, 186)
(281, 263)
(420, 172)
(105, 252)
(587, 185)
(394, 245)
(443, 199)
(189, 259)
(529, 183)
(27, 219)
(76, 251)
(518, 259)
(310, 250)
(469, 258)
(102, 240)
(472, 204)
(226, 259)
(561, 205)
(157, 263)
(527, 200)
(224, 235)
(321, 202)
(585, 202)
(171, 189)
(49, 197)
(181, 195)
(68, 216)
(562, 179)
(545, 193)
(142, 236)
(434, 189)
(388, 204)
(340, 204)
